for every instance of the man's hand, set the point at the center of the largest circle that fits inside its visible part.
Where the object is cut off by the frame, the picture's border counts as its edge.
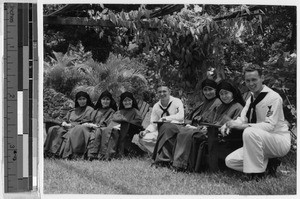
(235, 125)
(225, 129)
(163, 119)
(143, 133)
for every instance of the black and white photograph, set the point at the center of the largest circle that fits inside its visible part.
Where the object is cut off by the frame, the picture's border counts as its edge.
(181, 99)
(169, 99)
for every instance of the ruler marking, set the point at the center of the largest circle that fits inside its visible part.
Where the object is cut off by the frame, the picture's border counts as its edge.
(11, 42)
(34, 87)
(26, 119)
(20, 46)
(20, 95)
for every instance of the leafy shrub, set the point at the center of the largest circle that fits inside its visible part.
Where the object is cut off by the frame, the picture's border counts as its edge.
(66, 71)
(54, 102)
(63, 79)
(117, 74)
(76, 70)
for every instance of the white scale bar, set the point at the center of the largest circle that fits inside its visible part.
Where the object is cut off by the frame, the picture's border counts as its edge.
(20, 112)
(34, 161)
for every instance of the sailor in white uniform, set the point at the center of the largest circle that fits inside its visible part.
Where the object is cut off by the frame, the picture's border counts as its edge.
(168, 108)
(265, 131)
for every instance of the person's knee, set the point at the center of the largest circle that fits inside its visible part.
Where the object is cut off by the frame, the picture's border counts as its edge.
(182, 135)
(168, 126)
(228, 161)
(250, 133)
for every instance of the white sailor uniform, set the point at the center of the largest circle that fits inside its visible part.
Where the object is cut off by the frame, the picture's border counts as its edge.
(267, 138)
(175, 112)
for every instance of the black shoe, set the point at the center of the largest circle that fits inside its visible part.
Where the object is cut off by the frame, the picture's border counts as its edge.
(272, 166)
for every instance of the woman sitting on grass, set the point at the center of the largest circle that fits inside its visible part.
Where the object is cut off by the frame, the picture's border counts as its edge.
(182, 147)
(78, 138)
(80, 114)
(164, 150)
(116, 138)
(231, 107)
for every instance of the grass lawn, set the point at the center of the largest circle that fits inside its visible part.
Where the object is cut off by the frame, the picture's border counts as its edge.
(136, 176)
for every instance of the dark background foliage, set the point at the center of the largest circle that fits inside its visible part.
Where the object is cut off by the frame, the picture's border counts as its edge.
(178, 44)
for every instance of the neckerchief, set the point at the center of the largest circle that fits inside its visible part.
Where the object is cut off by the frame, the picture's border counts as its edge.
(252, 107)
(165, 110)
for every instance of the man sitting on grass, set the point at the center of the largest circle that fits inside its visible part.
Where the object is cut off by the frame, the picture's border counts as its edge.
(265, 131)
(168, 108)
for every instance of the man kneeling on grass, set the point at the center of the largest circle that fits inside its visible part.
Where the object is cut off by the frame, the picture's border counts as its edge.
(265, 131)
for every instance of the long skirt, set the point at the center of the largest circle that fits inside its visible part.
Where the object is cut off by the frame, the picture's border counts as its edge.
(209, 151)
(75, 142)
(183, 146)
(110, 142)
(163, 150)
(54, 140)
(103, 143)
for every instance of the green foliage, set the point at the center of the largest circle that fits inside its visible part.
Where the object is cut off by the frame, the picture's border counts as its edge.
(180, 47)
(117, 74)
(66, 71)
(76, 70)
(52, 8)
(59, 38)
(55, 104)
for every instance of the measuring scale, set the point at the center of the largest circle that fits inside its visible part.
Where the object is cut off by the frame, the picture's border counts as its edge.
(20, 97)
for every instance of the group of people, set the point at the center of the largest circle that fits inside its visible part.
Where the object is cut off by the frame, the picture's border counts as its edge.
(100, 131)
(224, 131)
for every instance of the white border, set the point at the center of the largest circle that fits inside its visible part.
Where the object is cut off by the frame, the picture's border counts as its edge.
(261, 2)
(40, 91)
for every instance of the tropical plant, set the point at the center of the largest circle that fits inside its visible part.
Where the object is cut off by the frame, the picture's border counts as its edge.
(117, 74)
(76, 70)
(179, 47)
(64, 72)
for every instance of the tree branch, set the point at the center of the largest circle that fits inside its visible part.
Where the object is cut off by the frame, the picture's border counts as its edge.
(239, 13)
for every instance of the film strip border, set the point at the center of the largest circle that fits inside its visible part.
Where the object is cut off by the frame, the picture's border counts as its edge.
(20, 96)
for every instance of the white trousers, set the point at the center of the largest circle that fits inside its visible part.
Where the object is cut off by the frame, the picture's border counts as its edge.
(258, 147)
